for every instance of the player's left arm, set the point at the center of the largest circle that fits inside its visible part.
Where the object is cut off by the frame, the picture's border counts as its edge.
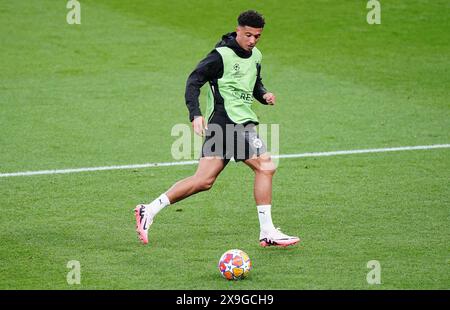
(259, 91)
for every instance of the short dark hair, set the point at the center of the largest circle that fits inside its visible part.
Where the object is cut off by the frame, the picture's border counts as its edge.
(251, 18)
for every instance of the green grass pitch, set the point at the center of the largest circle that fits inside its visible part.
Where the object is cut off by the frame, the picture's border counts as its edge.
(108, 91)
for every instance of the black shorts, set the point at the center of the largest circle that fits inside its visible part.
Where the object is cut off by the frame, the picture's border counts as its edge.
(227, 140)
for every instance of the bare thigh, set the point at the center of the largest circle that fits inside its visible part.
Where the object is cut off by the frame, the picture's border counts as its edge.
(209, 168)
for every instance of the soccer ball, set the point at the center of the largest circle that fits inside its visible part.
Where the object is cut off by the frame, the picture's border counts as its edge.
(235, 265)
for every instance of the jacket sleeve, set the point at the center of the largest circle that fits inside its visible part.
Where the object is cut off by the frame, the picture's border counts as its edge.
(259, 89)
(210, 68)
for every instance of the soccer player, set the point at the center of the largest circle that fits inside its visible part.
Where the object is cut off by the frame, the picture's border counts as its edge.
(232, 70)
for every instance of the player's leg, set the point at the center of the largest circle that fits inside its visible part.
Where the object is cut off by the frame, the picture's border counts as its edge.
(264, 169)
(207, 171)
(211, 164)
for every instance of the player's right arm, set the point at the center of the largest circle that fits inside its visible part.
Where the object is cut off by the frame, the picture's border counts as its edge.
(199, 125)
(210, 68)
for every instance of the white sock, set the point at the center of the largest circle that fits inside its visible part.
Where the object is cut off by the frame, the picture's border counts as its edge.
(265, 217)
(158, 204)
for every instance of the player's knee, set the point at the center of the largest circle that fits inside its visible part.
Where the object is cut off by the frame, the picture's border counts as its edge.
(205, 184)
(268, 170)
(266, 166)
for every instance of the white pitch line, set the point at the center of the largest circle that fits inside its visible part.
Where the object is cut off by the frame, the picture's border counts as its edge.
(193, 162)
(381, 150)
